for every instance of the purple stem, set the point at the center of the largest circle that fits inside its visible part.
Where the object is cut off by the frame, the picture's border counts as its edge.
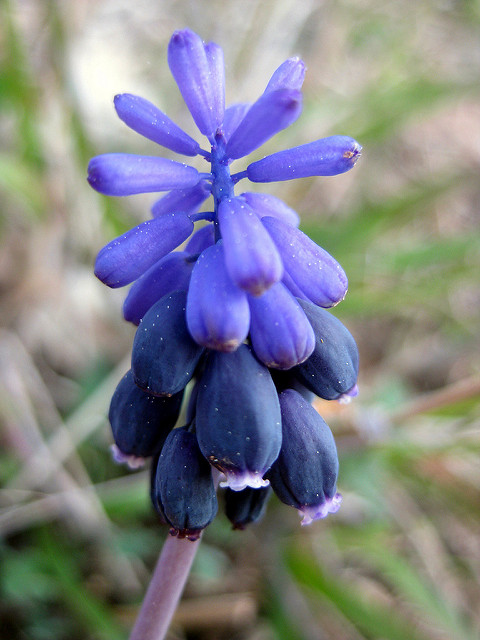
(165, 589)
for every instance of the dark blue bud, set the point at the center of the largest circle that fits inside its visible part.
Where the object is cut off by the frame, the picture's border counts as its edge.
(124, 259)
(331, 371)
(140, 422)
(164, 355)
(238, 417)
(287, 380)
(246, 506)
(171, 273)
(184, 492)
(305, 474)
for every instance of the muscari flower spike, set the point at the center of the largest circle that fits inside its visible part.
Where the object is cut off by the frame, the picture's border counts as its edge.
(241, 309)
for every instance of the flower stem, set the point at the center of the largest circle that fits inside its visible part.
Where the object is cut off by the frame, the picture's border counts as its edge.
(165, 589)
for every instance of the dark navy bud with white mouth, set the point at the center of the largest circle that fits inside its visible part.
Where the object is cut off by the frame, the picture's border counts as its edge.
(238, 417)
(183, 491)
(305, 474)
(140, 422)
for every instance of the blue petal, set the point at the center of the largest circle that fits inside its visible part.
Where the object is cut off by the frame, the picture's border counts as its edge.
(310, 267)
(191, 68)
(266, 205)
(217, 70)
(171, 273)
(123, 174)
(233, 117)
(326, 157)
(281, 334)
(186, 200)
(253, 262)
(238, 417)
(271, 113)
(289, 75)
(218, 315)
(146, 119)
(305, 473)
(124, 259)
(201, 239)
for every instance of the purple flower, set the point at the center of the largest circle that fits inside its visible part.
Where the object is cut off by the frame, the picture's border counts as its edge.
(237, 309)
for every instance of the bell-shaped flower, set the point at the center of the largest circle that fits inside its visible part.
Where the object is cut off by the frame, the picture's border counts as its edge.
(325, 157)
(281, 335)
(272, 112)
(246, 506)
(265, 204)
(124, 174)
(289, 75)
(164, 355)
(332, 369)
(140, 422)
(198, 79)
(183, 490)
(252, 259)
(311, 268)
(146, 119)
(305, 473)
(218, 314)
(185, 200)
(171, 273)
(124, 259)
(238, 417)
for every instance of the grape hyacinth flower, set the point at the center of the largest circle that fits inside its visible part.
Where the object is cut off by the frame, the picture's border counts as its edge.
(235, 310)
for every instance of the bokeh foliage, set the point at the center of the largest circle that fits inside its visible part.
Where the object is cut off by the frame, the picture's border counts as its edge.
(400, 559)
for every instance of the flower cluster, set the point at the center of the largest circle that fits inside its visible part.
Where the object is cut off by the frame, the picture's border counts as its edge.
(239, 312)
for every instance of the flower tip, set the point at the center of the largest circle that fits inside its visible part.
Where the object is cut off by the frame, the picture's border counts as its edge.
(132, 462)
(320, 511)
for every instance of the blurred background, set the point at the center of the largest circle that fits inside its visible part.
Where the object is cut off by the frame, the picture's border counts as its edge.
(78, 538)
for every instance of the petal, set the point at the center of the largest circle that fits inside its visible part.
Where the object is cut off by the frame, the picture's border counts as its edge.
(311, 268)
(218, 315)
(183, 488)
(252, 260)
(266, 205)
(201, 239)
(289, 75)
(217, 70)
(125, 259)
(171, 273)
(140, 422)
(305, 473)
(233, 116)
(272, 112)
(186, 200)
(281, 334)
(192, 71)
(238, 417)
(326, 157)
(164, 355)
(146, 119)
(332, 369)
(123, 174)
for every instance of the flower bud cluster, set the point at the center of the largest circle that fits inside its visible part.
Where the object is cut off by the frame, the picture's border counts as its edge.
(238, 314)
